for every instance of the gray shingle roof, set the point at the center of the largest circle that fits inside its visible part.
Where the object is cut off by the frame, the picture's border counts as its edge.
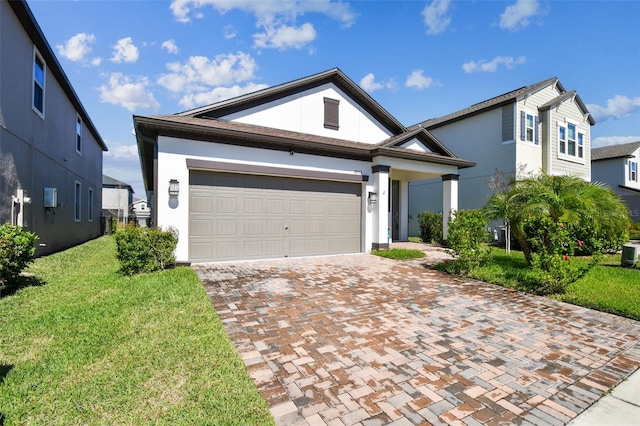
(500, 100)
(108, 181)
(614, 151)
(507, 98)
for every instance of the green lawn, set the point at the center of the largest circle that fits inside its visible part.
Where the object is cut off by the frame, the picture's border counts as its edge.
(606, 287)
(84, 345)
(399, 253)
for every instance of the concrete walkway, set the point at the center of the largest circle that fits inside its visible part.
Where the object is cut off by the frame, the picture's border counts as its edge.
(361, 340)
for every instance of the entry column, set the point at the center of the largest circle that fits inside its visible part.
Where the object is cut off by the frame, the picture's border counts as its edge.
(380, 207)
(449, 200)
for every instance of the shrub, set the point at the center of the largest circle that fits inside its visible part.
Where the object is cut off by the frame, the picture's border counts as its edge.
(144, 249)
(430, 227)
(16, 251)
(467, 232)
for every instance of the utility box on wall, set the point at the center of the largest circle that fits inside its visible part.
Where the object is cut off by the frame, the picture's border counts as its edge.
(50, 197)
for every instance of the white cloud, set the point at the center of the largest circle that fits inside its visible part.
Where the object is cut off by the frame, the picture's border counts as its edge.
(435, 16)
(131, 95)
(123, 152)
(613, 140)
(276, 18)
(77, 47)
(369, 83)
(285, 37)
(617, 107)
(125, 51)
(200, 73)
(218, 94)
(229, 32)
(509, 62)
(170, 46)
(418, 80)
(517, 16)
(96, 61)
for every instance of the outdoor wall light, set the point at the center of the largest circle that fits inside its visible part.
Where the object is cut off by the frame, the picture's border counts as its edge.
(174, 188)
(373, 198)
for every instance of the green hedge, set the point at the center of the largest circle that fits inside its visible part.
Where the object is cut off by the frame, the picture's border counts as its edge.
(145, 249)
(16, 252)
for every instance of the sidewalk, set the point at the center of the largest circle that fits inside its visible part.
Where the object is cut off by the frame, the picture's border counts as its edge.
(619, 408)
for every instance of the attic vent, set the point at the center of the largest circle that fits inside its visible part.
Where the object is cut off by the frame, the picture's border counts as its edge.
(331, 113)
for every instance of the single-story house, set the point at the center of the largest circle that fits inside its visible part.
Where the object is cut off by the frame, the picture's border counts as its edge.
(310, 167)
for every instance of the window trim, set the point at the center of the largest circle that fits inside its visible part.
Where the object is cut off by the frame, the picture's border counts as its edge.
(90, 205)
(535, 132)
(579, 137)
(633, 171)
(38, 57)
(78, 134)
(77, 201)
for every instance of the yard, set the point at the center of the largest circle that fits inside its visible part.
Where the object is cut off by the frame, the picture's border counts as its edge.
(80, 344)
(606, 287)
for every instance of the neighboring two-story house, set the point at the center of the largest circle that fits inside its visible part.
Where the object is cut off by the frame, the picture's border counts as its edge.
(50, 150)
(619, 166)
(314, 166)
(117, 198)
(540, 127)
(140, 212)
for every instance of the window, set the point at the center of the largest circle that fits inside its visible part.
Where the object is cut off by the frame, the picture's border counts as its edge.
(39, 70)
(90, 206)
(562, 137)
(529, 122)
(77, 204)
(580, 145)
(331, 113)
(571, 139)
(78, 135)
(633, 171)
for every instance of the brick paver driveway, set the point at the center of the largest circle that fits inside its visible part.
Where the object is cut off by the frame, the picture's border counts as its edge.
(365, 340)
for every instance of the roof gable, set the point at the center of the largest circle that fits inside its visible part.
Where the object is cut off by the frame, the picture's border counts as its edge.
(271, 94)
(569, 96)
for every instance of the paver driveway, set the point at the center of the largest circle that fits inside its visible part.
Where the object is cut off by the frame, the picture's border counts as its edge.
(364, 340)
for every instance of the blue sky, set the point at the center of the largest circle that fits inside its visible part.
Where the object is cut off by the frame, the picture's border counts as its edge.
(418, 59)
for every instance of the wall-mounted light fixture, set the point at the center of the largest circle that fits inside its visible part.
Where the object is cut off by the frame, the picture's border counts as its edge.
(174, 188)
(373, 198)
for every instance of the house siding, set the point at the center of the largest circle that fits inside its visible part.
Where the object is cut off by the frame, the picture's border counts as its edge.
(36, 153)
(614, 172)
(476, 139)
(568, 111)
(304, 111)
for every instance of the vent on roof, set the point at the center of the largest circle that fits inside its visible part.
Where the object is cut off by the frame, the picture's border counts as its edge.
(331, 113)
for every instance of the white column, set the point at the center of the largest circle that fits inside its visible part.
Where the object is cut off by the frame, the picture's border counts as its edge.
(404, 211)
(449, 200)
(381, 207)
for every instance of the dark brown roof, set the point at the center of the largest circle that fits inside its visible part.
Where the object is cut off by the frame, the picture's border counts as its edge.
(214, 130)
(29, 23)
(614, 151)
(334, 75)
(501, 100)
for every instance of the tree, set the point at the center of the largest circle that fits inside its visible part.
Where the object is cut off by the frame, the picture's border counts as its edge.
(539, 205)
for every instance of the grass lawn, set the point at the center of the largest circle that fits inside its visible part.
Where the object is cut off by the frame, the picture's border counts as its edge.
(88, 346)
(399, 253)
(606, 287)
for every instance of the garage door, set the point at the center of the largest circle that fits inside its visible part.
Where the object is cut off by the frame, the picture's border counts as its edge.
(237, 217)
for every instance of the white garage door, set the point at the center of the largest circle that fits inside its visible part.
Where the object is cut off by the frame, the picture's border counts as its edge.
(237, 217)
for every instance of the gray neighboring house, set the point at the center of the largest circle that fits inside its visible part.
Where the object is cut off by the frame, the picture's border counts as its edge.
(50, 150)
(617, 166)
(540, 127)
(117, 196)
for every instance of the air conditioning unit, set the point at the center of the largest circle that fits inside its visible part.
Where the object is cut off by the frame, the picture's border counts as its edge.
(50, 198)
(630, 255)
